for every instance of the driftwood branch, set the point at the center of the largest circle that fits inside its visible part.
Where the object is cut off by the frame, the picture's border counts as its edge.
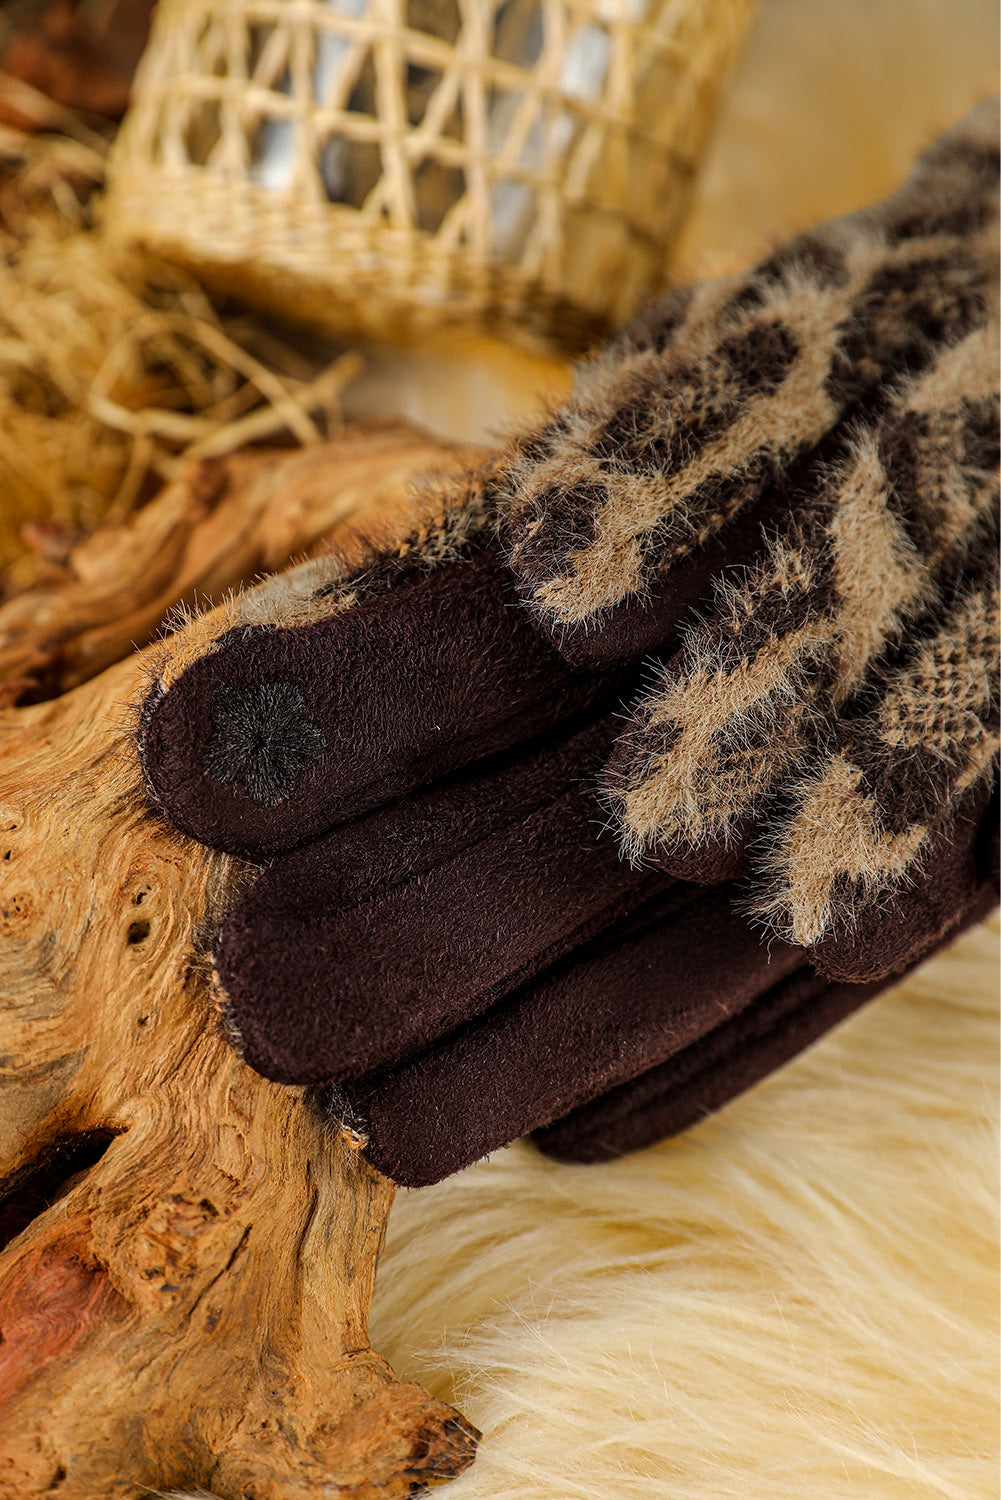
(224, 522)
(189, 1250)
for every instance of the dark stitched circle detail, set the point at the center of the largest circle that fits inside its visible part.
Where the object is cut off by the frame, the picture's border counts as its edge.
(262, 740)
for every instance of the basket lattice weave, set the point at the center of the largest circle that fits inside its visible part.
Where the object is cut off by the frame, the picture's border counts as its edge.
(382, 167)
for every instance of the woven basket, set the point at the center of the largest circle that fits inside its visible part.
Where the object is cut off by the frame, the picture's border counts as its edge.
(384, 167)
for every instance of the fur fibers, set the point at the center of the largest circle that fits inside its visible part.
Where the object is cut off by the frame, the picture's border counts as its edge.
(881, 584)
(708, 397)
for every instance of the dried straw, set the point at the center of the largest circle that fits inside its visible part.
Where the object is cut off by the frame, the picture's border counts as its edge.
(116, 368)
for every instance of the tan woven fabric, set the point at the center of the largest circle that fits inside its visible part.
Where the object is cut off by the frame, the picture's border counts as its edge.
(383, 166)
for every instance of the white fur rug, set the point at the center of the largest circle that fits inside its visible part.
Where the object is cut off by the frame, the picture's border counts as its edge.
(797, 1300)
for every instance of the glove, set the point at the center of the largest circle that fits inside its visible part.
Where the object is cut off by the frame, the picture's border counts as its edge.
(442, 928)
(838, 704)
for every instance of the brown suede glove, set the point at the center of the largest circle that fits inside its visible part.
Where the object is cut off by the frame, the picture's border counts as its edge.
(808, 454)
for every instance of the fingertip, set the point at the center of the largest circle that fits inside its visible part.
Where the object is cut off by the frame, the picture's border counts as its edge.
(641, 816)
(418, 1130)
(907, 918)
(298, 1013)
(224, 747)
(279, 733)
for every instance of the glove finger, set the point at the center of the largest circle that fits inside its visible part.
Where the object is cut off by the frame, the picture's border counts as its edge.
(883, 834)
(634, 997)
(716, 1068)
(705, 1075)
(725, 717)
(368, 944)
(886, 936)
(277, 734)
(862, 552)
(704, 404)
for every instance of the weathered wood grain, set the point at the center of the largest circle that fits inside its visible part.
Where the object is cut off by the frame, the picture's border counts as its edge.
(185, 1299)
(221, 524)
